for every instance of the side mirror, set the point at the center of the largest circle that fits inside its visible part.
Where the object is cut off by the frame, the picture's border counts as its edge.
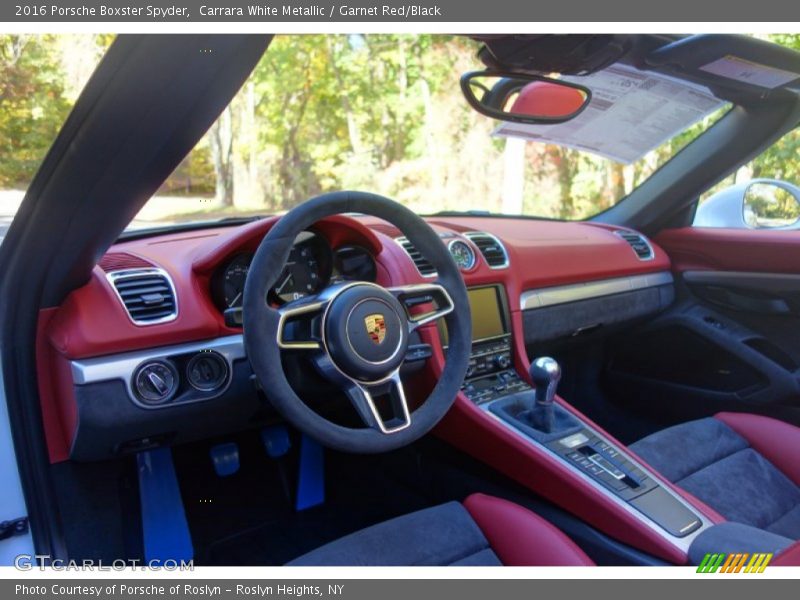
(771, 204)
(756, 204)
(523, 98)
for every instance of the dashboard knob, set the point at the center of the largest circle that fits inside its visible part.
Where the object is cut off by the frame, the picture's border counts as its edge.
(207, 371)
(502, 360)
(155, 382)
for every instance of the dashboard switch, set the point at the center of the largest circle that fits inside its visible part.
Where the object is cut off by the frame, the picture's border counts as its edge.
(155, 382)
(207, 371)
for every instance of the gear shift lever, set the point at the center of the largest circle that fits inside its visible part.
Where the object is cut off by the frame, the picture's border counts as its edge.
(545, 373)
(535, 413)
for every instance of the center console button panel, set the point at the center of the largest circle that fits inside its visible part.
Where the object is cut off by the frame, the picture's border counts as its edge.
(604, 464)
(489, 376)
(608, 466)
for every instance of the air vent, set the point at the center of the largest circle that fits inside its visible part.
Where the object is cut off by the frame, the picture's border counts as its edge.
(148, 295)
(639, 243)
(490, 247)
(423, 265)
(118, 261)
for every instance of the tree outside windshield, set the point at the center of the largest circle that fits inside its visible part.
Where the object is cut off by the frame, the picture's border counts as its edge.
(382, 113)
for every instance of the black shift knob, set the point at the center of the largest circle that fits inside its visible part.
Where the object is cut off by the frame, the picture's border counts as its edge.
(545, 373)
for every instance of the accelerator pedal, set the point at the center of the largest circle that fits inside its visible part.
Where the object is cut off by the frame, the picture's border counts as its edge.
(310, 490)
(311, 477)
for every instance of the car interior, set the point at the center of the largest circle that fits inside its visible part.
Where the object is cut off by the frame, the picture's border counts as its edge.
(352, 383)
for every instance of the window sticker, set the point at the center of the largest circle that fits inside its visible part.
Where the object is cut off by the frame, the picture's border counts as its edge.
(631, 113)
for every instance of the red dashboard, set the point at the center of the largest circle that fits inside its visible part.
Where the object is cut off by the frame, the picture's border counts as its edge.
(92, 322)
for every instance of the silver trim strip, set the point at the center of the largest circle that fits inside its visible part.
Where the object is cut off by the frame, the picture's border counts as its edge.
(124, 274)
(470, 235)
(680, 543)
(551, 296)
(122, 366)
(287, 313)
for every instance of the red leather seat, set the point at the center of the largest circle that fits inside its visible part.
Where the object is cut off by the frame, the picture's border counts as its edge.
(484, 530)
(520, 537)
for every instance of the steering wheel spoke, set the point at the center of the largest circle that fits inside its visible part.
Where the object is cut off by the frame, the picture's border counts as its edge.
(298, 324)
(362, 398)
(424, 302)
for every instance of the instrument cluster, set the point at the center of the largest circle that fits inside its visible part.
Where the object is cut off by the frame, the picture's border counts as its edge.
(312, 266)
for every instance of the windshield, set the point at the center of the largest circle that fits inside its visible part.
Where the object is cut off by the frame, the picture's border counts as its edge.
(380, 112)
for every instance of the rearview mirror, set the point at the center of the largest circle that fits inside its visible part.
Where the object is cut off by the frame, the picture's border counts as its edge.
(523, 98)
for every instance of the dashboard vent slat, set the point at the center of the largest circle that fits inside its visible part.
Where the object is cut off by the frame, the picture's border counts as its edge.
(424, 267)
(639, 243)
(491, 248)
(147, 294)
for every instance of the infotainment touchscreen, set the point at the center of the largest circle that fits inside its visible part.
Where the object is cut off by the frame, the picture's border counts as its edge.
(487, 315)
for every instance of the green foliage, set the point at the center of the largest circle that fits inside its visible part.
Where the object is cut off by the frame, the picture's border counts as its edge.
(32, 105)
(382, 112)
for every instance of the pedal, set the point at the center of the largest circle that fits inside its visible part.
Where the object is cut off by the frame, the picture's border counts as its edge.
(165, 530)
(311, 475)
(277, 444)
(276, 440)
(225, 458)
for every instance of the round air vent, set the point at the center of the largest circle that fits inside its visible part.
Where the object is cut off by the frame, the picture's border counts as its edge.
(207, 371)
(155, 382)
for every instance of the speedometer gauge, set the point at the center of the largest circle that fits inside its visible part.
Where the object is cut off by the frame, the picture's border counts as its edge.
(301, 276)
(307, 271)
(233, 280)
(462, 254)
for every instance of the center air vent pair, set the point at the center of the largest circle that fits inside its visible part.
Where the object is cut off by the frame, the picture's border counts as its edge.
(491, 248)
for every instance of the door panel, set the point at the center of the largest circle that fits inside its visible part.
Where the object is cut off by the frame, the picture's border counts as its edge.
(731, 341)
(747, 250)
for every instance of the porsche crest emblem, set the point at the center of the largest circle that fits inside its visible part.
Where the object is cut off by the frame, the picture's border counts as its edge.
(376, 327)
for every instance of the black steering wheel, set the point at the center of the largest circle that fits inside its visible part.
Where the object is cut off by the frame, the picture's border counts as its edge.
(357, 332)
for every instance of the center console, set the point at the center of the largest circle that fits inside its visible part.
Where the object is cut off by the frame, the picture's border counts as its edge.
(494, 385)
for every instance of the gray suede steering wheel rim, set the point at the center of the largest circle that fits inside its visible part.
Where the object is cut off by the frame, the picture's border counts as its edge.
(261, 322)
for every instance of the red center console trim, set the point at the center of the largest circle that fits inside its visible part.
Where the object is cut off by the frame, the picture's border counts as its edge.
(473, 431)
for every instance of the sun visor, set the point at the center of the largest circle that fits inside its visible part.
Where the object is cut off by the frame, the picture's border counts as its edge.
(568, 54)
(735, 67)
